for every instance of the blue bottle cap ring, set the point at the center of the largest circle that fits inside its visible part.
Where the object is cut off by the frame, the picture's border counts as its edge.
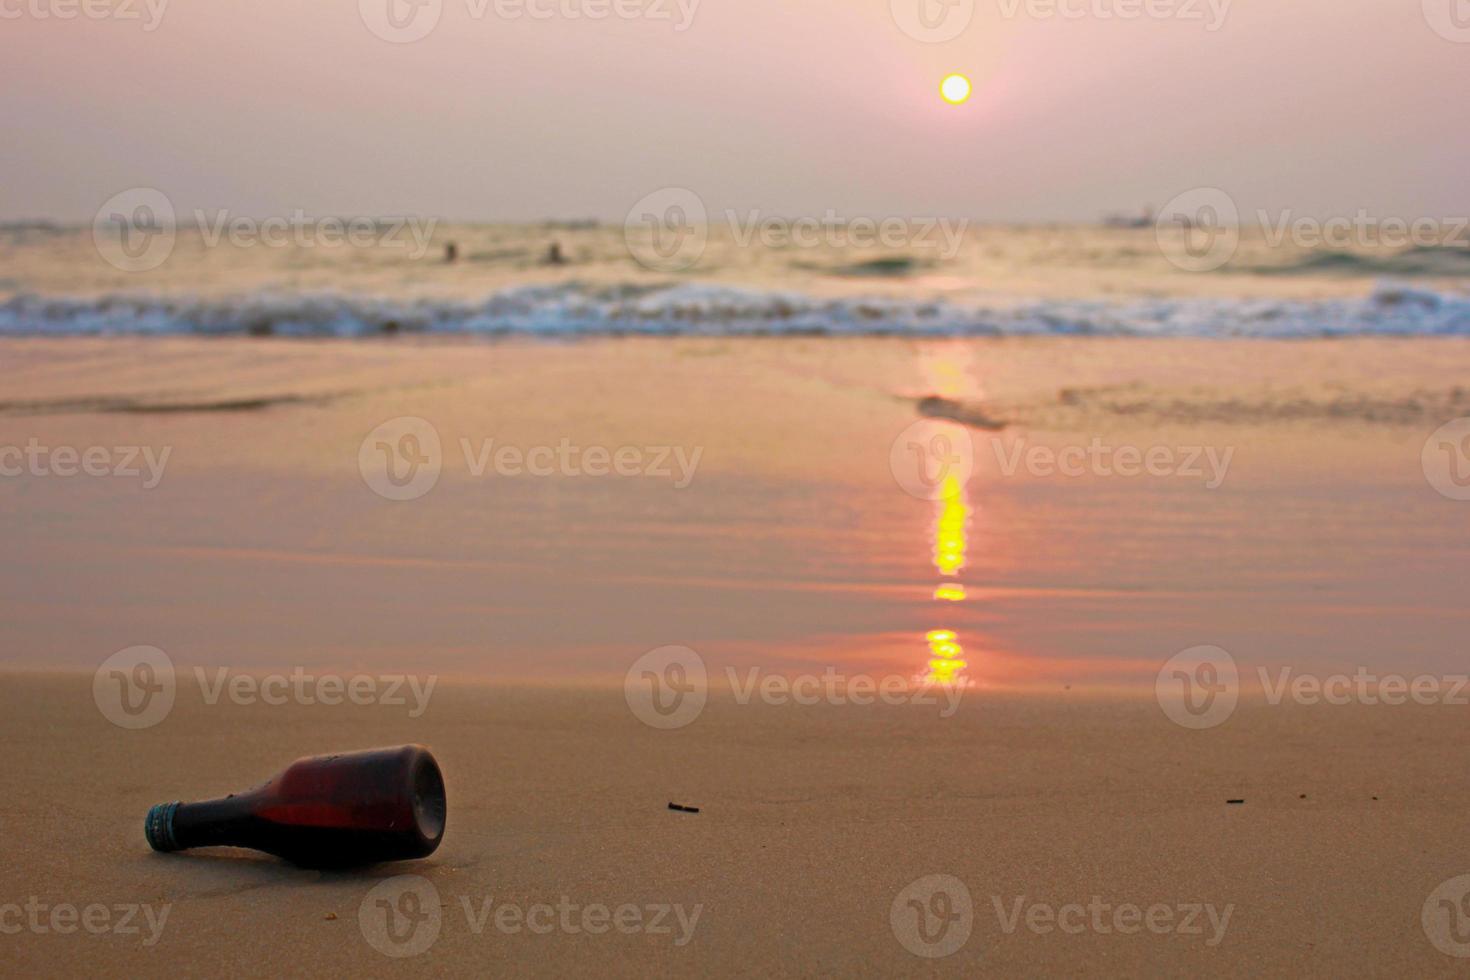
(159, 827)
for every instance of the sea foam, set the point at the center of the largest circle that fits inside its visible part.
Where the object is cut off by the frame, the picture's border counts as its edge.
(575, 309)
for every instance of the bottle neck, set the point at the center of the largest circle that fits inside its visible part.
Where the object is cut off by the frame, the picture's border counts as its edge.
(227, 822)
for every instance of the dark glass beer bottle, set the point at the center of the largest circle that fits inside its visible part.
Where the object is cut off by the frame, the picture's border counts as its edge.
(323, 812)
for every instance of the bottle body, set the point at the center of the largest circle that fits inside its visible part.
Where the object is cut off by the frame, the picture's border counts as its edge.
(324, 811)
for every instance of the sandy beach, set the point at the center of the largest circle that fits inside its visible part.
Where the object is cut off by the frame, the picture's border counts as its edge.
(812, 822)
(654, 488)
(761, 523)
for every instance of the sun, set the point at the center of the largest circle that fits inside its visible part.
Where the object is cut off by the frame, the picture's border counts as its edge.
(955, 89)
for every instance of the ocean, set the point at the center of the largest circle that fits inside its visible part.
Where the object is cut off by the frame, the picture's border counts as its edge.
(213, 276)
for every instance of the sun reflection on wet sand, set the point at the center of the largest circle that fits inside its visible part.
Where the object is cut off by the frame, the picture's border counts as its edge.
(948, 372)
(951, 541)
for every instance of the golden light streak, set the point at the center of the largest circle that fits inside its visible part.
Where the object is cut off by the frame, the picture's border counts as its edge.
(951, 540)
(948, 371)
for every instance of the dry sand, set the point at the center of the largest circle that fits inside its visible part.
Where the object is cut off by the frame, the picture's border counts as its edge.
(812, 821)
(792, 550)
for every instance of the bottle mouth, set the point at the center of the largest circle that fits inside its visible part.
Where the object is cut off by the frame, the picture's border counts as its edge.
(429, 803)
(158, 827)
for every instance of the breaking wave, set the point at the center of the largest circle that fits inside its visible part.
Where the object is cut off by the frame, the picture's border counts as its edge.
(574, 310)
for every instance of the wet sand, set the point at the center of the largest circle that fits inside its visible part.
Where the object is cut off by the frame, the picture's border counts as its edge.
(785, 543)
(764, 525)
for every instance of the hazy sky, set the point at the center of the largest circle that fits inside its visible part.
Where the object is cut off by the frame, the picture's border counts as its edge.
(790, 106)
